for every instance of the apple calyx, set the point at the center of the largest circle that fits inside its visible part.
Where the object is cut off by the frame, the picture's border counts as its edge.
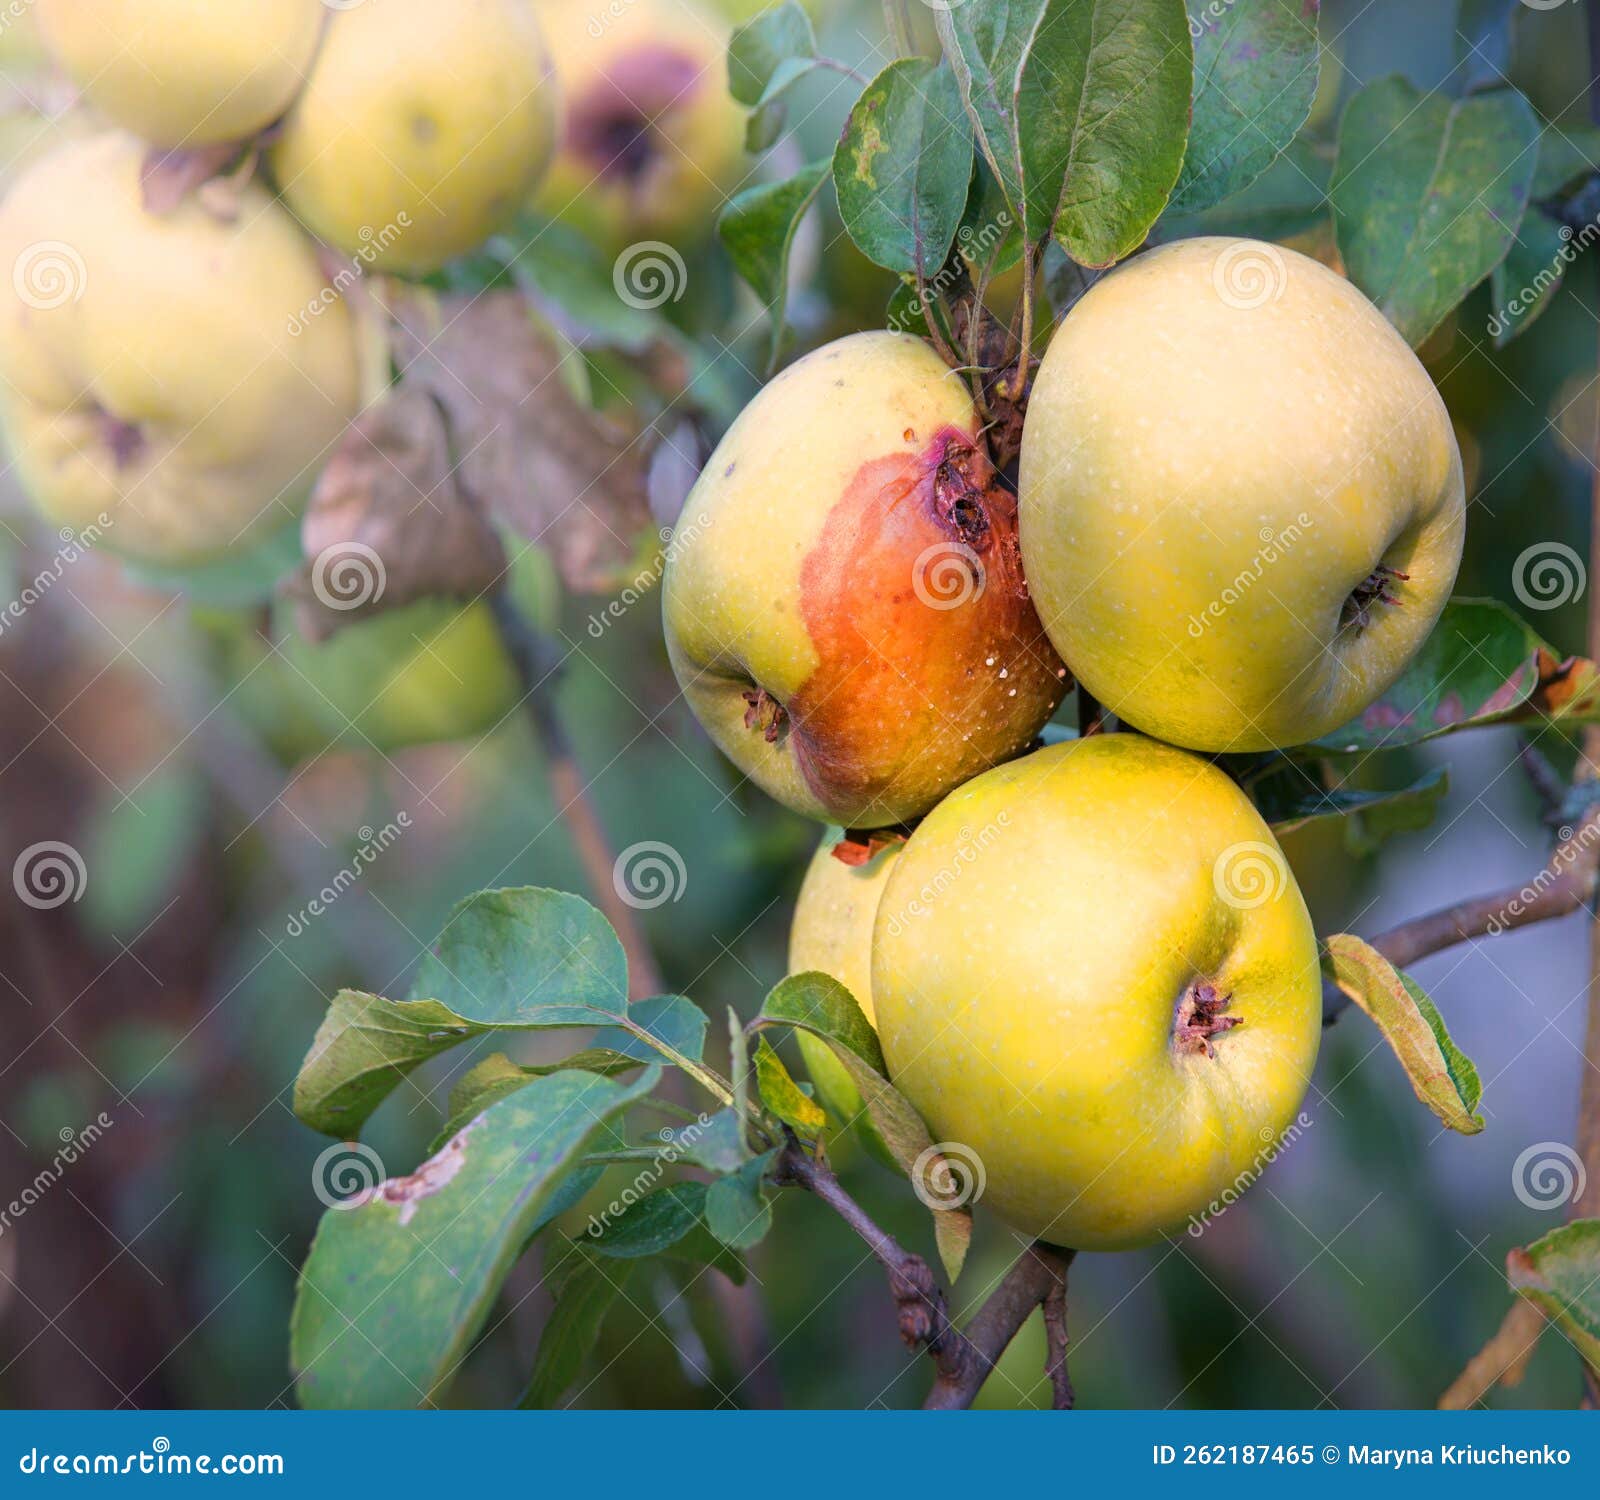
(1366, 595)
(764, 712)
(122, 439)
(614, 125)
(1200, 1017)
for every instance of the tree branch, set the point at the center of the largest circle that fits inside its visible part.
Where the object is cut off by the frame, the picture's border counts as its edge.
(1502, 1361)
(537, 671)
(962, 1358)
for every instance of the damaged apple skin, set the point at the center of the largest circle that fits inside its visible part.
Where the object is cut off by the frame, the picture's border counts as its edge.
(422, 129)
(185, 73)
(1242, 499)
(844, 602)
(147, 368)
(1116, 1003)
(651, 141)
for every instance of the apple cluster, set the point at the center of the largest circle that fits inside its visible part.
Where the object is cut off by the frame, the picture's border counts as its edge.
(1238, 513)
(183, 344)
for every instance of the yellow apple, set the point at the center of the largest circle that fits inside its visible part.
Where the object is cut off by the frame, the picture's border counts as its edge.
(1242, 500)
(421, 130)
(844, 601)
(652, 143)
(185, 72)
(148, 370)
(1094, 973)
(832, 933)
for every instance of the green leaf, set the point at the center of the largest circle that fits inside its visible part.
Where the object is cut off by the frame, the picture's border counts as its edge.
(1560, 1274)
(400, 1279)
(526, 956)
(952, 1233)
(497, 1078)
(668, 1221)
(585, 1287)
(902, 167)
(1291, 799)
(571, 284)
(1081, 109)
(1566, 154)
(1255, 78)
(714, 1142)
(1521, 286)
(737, 1211)
(758, 228)
(1427, 195)
(989, 238)
(1481, 665)
(1290, 197)
(1483, 41)
(672, 1021)
(764, 126)
(818, 1002)
(768, 54)
(1442, 1075)
(739, 1063)
(783, 1096)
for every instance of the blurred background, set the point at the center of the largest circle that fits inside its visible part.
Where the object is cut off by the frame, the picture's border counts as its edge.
(214, 773)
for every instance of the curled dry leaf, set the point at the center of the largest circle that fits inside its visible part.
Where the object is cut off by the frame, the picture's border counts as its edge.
(390, 491)
(531, 454)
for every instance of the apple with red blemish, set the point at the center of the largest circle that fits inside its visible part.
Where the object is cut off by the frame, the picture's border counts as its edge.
(844, 601)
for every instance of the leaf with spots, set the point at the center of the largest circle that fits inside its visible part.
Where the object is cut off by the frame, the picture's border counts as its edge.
(400, 1279)
(1255, 77)
(1442, 1075)
(902, 166)
(1481, 665)
(1560, 1274)
(783, 1096)
(1428, 193)
(1081, 109)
